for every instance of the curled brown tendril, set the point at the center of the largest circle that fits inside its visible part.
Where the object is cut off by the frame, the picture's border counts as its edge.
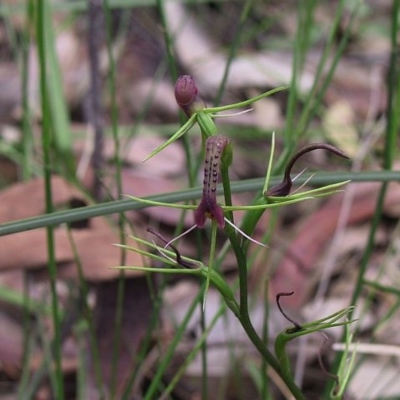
(179, 258)
(283, 188)
(297, 326)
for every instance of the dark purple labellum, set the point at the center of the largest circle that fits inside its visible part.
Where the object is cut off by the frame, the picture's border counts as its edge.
(284, 188)
(208, 207)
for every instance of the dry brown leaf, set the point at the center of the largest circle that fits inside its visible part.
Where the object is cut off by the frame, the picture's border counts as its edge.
(28, 249)
(10, 93)
(11, 338)
(26, 199)
(137, 311)
(94, 245)
(197, 52)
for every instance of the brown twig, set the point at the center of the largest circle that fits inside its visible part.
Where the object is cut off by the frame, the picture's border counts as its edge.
(95, 109)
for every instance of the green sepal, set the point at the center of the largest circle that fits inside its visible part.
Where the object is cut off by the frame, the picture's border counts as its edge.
(206, 124)
(167, 257)
(184, 128)
(227, 156)
(315, 326)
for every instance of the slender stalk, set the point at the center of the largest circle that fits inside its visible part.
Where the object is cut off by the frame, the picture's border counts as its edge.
(192, 167)
(233, 49)
(81, 373)
(265, 394)
(28, 340)
(389, 151)
(310, 101)
(156, 381)
(27, 151)
(317, 99)
(145, 346)
(95, 17)
(62, 138)
(27, 138)
(203, 347)
(118, 206)
(393, 84)
(206, 288)
(121, 218)
(211, 259)
(189, 358)
(171, 59)
(88, 315)
(116, 341)
(244, 314)
(47, 146)
(290, 132)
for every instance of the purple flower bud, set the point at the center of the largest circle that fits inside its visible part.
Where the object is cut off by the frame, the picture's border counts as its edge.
(185, 90)
(186, 95)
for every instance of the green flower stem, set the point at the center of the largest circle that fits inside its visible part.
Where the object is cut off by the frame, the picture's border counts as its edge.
(172, 64)
(269, 357)
(118, 319)
(289, 334)
(243, 315)
(315, 97)
(226, 183)
(206, 124)
(281, 353)
(247, 7)
(231, 233)
(251, 220)
(244, 103)
(211, 260)
(47, 141)
(390, 139)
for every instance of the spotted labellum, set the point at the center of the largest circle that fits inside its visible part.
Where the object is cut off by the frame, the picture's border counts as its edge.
(208, 207)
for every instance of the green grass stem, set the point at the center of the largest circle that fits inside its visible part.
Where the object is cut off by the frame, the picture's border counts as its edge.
(113, 207)
(389, 151)
(47, 140)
